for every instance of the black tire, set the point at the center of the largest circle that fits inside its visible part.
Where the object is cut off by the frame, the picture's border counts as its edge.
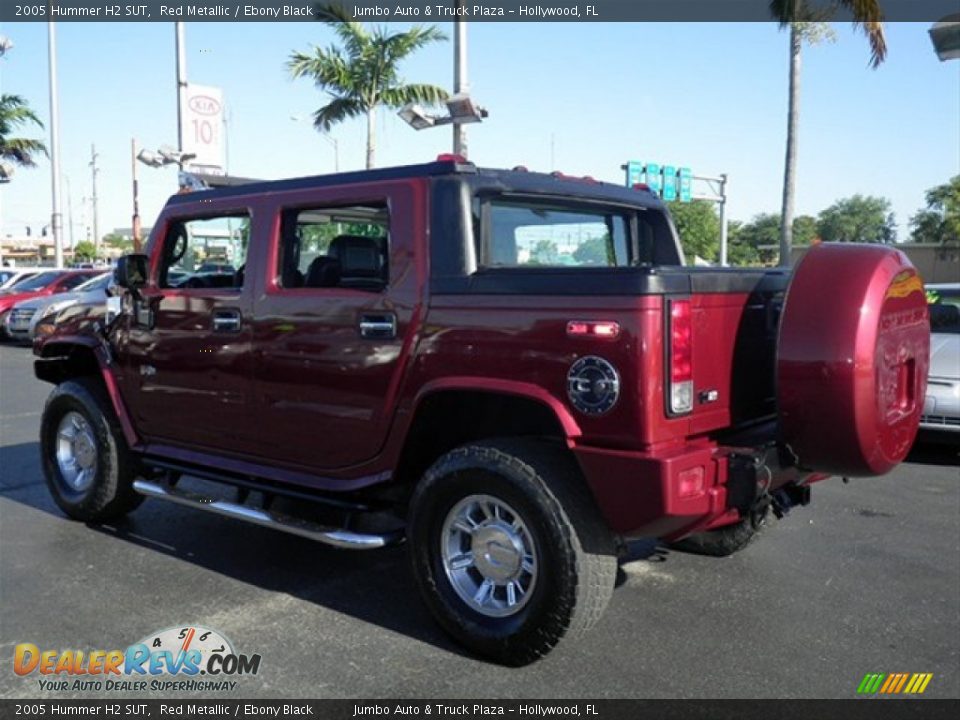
(725, 541)
(110, 494)
(575, 551)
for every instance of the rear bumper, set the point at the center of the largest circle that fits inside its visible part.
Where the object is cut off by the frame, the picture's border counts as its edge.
(673, 493)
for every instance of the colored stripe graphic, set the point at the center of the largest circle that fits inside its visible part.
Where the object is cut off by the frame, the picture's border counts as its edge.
(894, 683)
(891, 682)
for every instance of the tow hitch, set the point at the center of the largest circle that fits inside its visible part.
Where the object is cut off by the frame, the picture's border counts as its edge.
(787, 497)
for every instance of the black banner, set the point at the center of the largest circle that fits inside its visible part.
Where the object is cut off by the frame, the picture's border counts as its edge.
(864, 709)
(440, 10)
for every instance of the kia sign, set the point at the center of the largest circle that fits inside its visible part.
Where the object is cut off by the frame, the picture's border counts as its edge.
(203, 127)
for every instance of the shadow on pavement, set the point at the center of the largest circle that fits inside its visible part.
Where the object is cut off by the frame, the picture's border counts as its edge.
(355, 583)
(941, 449)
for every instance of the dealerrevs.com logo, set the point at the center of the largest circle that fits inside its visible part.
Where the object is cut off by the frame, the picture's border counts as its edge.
(182, 658)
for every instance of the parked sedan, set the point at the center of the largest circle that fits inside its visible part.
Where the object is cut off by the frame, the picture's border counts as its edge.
(48, 282)
(21, 322)
(941, 409)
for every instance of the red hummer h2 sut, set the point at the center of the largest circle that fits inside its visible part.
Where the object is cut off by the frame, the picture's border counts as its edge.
(513, 371)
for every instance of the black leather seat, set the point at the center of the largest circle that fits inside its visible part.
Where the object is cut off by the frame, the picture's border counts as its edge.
(363, 261)
(324, 271)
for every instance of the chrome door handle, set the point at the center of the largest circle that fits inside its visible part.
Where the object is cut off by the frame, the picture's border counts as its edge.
(226, 321)
(378, 326)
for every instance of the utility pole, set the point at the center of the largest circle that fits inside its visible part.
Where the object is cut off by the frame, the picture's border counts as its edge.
(460, 84)
(93, 200)
(56, 219)
(181, 81)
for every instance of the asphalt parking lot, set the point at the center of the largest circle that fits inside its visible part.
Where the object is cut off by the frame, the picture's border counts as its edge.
(866, 579)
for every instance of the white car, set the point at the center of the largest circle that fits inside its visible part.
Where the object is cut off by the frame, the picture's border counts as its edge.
(941, 408)
(11, 276)
(21, 322)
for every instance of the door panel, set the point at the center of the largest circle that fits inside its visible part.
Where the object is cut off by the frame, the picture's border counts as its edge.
(188, 357)
(329, 360)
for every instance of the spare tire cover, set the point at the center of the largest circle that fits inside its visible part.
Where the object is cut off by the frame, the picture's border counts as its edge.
(852, 359)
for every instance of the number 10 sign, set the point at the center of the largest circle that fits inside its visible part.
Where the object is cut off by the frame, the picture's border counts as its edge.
(203, 126)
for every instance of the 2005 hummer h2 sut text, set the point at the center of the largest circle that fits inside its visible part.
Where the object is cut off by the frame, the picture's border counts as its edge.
(512, 370)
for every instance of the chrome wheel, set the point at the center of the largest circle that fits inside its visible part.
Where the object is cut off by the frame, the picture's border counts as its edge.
(76, 451)
(489, 555)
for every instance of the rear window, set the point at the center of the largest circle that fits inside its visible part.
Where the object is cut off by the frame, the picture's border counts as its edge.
(532, 234)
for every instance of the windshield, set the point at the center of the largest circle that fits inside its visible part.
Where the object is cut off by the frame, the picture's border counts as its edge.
(945, 311)
(100, 282)
(37, 282)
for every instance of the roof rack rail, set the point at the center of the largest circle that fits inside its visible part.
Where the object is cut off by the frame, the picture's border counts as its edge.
(190, 181)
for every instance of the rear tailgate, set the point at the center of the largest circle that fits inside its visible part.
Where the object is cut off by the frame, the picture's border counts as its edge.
(735, 316)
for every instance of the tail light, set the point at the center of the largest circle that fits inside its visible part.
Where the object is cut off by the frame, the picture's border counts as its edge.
(681, 357)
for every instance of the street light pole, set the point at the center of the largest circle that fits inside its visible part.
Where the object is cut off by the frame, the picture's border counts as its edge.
(460, 84)
(136, 196)
(56, 219)
(723, 219)
(96, 220)
(181, 81)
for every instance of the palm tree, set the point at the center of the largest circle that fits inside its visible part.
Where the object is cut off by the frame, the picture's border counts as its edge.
(802, 19)
(363, 74)
(15, 112)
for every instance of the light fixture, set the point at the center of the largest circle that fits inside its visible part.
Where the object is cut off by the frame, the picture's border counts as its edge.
(460, 107)
(416, 117)
(945, 36)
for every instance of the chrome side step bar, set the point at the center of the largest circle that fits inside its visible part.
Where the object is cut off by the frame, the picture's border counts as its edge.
(278, 521)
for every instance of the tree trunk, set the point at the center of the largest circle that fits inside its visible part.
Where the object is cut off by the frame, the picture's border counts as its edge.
(371, 136)
(790, 164)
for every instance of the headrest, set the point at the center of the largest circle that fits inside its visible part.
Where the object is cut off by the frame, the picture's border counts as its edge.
(324, 271)
(359, 256)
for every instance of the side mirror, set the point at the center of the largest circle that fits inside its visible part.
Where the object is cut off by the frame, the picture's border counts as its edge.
(131, 271)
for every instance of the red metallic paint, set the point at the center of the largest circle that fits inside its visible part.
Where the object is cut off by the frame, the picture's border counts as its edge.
(853, 356)
(302, 399)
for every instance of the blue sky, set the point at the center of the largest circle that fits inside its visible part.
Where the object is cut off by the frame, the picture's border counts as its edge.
(710, 96)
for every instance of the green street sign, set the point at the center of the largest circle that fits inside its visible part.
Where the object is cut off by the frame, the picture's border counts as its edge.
(685, 176)
(669, 183)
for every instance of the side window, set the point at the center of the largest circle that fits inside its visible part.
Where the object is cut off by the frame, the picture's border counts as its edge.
(345, 247)
(208, 252)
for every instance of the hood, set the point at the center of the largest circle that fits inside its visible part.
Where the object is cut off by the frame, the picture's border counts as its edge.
(945, 355)
(8, 301)
(68, 298)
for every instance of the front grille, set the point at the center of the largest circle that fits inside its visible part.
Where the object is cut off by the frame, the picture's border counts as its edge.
(940, 420)
(21, 317)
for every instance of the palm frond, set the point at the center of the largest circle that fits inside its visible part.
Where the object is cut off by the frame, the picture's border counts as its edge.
(15, 111)
(400, 45)
(868, 16)
(328, 69)
(336, 111)
(400, 95)
(21, 150)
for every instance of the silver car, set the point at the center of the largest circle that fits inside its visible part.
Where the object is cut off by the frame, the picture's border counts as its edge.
(21, 321)
(941, 408)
